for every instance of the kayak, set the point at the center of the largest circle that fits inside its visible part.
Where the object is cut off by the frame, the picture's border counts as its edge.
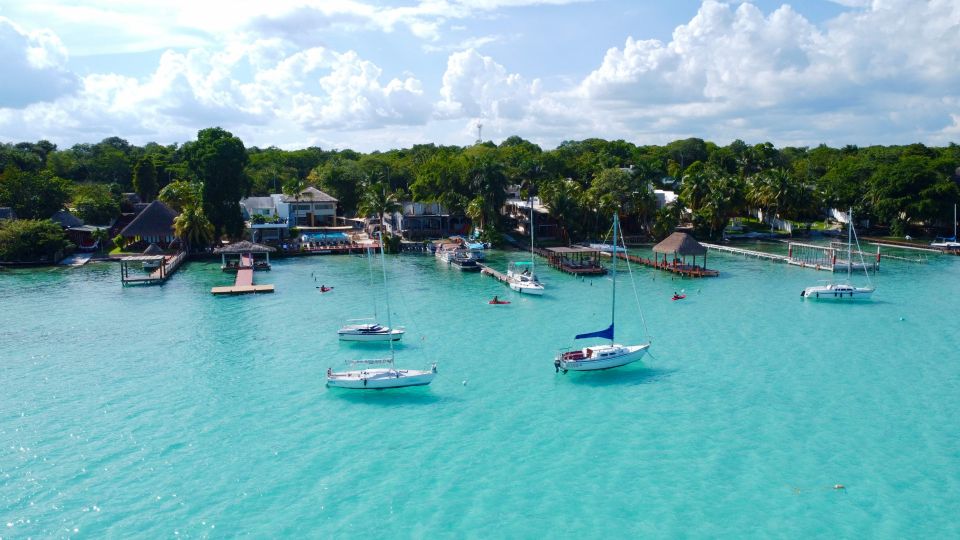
(498, 302)
(679, 296)
(325, 289)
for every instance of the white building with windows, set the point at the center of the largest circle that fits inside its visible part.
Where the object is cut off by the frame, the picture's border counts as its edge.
(269, 217)
(311, 208)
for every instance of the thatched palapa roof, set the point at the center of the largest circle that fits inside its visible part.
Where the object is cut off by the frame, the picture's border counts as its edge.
(237, 248)
(155, 220)
(680, 243)
(66, 219)
(153, 249)
(311, 194)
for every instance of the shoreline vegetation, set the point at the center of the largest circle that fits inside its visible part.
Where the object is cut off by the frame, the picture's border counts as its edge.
(896, 191)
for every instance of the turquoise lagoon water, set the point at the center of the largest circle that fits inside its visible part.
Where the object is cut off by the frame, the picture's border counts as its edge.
(166, 412)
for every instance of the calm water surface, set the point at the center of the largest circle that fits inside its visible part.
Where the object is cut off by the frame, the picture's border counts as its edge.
(163, 411)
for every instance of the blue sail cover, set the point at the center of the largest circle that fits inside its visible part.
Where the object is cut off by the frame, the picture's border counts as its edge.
(606, 333)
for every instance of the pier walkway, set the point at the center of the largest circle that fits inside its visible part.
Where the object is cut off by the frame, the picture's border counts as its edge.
(167, 266)
(244, 282)
(489, 271)
(746, 252)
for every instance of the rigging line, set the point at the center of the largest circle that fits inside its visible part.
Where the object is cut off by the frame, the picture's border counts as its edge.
(411, 320)
(373, 292)
(633, 283)
(862, 263)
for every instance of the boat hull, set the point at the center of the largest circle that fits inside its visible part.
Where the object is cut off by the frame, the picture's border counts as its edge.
(349, 335)
(631, 353)
(524, 288)
(380, 379)
(837, 293)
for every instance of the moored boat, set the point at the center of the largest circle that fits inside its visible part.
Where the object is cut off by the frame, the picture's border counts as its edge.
(379, 378)
(368, 330)
(840, 291)
(608, 356)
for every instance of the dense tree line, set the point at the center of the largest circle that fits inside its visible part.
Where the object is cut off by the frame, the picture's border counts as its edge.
(581, 182)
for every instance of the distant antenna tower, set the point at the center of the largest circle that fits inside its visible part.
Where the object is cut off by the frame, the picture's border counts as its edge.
(479, 131)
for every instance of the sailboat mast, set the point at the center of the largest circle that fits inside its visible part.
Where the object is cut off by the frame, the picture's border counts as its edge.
(954, 222)
(533, 272)
(373, 292)
(386, 293)
(849, 243)
(613, 264)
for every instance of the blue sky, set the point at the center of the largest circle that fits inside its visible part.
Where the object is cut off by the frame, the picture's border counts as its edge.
(372, 75)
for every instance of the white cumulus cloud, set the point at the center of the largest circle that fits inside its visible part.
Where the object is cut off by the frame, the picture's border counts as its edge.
(33, 66)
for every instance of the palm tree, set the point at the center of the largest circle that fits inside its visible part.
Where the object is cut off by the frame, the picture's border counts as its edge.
(562, 200)
(695, 186)
(377, 199)
(192, 227)
(475, 211)
(488, 181)
(101, 235)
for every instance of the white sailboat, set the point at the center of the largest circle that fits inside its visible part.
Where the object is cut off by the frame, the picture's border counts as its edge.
(368, 329)
(522, 275)
(839, 291)
(607, 356)
(949, 244)
(387, 376)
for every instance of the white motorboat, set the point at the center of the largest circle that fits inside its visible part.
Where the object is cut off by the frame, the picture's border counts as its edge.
(446, 252)
(521, 278)
(608, 356)
(840, 291)
(379, 378)
(368, 330)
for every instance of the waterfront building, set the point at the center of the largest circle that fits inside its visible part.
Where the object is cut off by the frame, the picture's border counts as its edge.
(153, 225)
(421, 221)
(270, 218)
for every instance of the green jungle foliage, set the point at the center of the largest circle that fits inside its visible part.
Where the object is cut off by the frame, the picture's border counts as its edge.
(30, 240)
(580, 182)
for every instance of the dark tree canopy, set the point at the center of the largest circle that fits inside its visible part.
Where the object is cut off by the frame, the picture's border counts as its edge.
(218, 159)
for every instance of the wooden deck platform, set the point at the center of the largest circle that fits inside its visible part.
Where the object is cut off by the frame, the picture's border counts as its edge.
(244, 282)
(683, 270)
(242, 289)
(168, 266)
(488, 271)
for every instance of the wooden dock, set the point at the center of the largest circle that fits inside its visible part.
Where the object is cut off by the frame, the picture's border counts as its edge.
(244, 282)
(168, 265)
(489, 271)
(682, 270)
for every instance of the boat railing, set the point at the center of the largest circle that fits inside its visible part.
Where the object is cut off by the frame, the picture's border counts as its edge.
(371, 362)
